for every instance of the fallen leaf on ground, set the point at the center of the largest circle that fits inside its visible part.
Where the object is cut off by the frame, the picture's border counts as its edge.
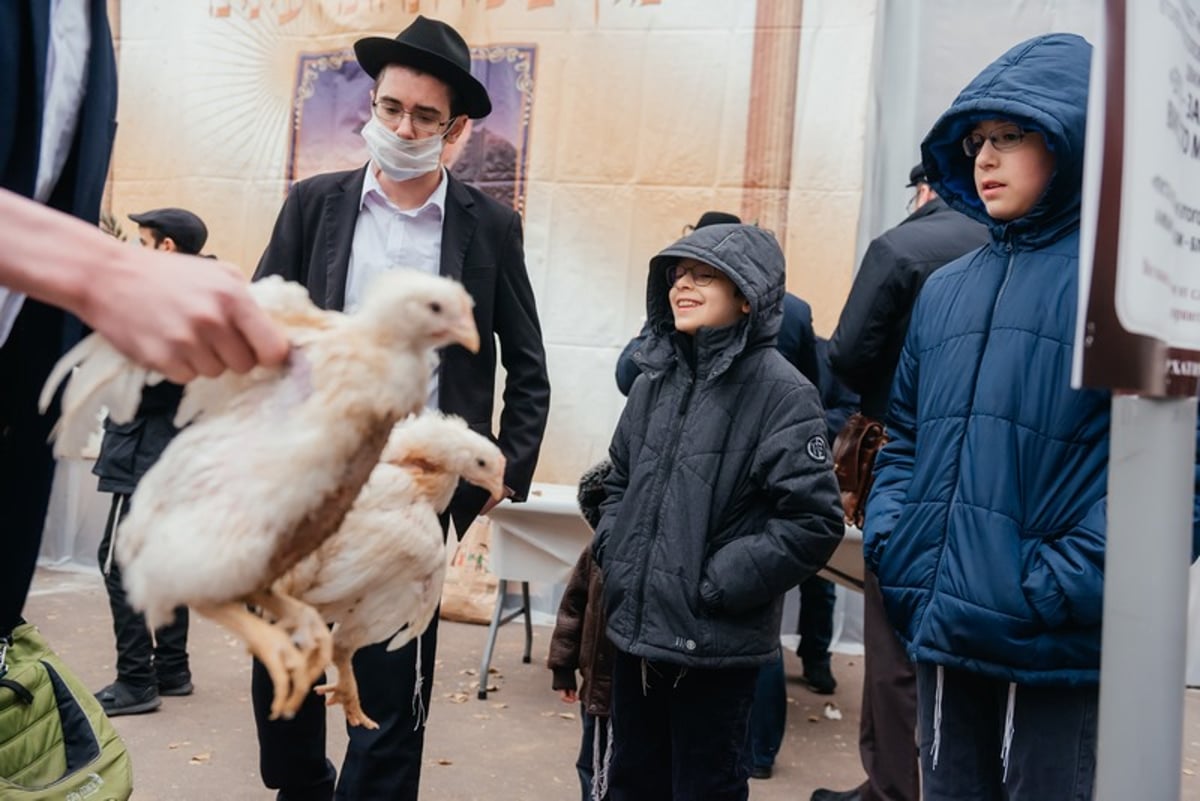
(200, 759)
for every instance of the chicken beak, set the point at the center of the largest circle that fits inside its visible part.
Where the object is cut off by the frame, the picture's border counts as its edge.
(463, 330)
(496, 485)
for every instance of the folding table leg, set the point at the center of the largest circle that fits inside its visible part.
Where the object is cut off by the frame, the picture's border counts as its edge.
(528, 622)
(497, 613)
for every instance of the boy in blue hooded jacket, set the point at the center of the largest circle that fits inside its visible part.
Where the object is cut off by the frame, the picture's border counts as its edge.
(986, 524)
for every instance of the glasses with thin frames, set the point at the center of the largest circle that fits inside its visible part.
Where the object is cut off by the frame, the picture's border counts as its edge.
(1005, 137)
(422, 121)
(702, 274)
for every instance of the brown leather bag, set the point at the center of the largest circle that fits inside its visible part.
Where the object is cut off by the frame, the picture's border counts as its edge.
(854, 463)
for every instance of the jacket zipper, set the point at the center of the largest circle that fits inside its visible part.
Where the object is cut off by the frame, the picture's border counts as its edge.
(660, 479)
(1012, 256)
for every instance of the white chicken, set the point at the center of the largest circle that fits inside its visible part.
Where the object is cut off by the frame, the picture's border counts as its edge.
(272, 461)
(381, 575)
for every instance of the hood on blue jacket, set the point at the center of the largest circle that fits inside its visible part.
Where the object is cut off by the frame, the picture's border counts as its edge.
(753, 260)
(1041, 85)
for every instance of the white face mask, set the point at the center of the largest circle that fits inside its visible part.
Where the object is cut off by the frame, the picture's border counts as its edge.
(401, 159)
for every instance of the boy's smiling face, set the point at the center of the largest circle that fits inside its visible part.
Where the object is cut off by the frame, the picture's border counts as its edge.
(703, 297)
(1010, 181)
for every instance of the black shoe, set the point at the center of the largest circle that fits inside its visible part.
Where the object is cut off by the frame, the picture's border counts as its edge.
(177, 684)
(120, 698)
(819, 679)
(760, 772)
(834, 795)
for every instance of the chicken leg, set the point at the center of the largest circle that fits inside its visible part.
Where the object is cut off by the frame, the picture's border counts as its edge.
(345, 690)
(270, 645)
(310, 634)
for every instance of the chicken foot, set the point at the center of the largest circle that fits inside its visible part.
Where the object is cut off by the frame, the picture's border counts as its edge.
(345, 690)
(310, 634)
(273, 647)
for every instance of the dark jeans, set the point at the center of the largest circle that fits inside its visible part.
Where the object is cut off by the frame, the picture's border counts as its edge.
(768, 717)
(683, 736)
(142, 660)
(26, 463)
(815, 626)
(887, 735)
(1053, 749)
(380, 765)
(587, 751)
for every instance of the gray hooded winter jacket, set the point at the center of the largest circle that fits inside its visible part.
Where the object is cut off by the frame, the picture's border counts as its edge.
(722, 494)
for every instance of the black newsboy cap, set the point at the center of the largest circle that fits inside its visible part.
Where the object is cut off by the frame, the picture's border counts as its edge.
(181, 225)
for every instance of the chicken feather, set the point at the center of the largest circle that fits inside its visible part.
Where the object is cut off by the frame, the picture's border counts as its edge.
(380, 577)
(274, 458)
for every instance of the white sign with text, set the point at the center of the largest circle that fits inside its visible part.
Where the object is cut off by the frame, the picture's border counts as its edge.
(1158, 269)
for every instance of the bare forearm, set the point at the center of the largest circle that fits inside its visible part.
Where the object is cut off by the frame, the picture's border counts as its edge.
(179, 315)
(51, 256)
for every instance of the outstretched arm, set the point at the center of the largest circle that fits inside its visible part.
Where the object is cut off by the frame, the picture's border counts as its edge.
(179, 315)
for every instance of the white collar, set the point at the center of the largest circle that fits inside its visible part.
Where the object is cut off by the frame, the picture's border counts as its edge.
(437, 199)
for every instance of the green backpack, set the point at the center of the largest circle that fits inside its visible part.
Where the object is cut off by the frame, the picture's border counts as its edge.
(55, 741)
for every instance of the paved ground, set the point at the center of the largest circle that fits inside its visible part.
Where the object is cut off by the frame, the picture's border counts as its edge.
(519, 745)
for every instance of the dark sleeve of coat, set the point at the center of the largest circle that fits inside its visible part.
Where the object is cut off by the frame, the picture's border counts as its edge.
(864, 347)
(568, 626)
(617, 479)
(286, 253)
(627, 369)
(797, 340)
(526, 385)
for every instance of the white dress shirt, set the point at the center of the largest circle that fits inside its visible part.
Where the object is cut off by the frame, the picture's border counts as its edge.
(66, 79)
(389, 238)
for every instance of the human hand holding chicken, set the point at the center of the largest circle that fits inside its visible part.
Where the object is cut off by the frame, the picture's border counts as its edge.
(272, 460)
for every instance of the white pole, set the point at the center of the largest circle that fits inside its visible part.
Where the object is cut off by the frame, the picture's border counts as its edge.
(1148, 551)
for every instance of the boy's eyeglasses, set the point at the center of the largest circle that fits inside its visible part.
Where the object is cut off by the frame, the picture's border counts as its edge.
(1006, 137)
(702, 274)
(422, 121)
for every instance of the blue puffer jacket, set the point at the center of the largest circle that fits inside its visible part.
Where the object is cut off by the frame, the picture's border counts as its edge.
(986, 525)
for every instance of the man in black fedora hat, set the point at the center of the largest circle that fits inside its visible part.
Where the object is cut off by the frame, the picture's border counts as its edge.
(337, 231)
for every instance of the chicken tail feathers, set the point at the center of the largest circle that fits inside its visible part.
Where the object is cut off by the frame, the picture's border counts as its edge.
(97, 377)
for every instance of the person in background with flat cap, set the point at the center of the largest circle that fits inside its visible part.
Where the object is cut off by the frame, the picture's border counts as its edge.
(335, 232)
(863, 353)
(172, 230)
(148, 665)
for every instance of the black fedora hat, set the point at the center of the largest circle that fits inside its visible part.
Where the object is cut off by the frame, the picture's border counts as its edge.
(430, 46)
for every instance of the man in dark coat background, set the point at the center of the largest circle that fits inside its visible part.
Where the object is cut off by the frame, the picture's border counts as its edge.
(863, 352)
(334, 233)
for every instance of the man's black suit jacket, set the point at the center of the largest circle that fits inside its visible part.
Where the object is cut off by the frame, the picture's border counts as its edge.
(482, 247)
(42, 333)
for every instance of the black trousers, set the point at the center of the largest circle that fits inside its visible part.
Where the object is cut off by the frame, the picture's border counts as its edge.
(682, 735)
(815, 626)
(142, 660)
(26, 462)
(380, 765)
(887, 737)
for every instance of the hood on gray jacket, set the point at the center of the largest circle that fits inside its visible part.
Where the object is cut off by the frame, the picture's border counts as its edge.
(1042, 85)
(753, 260)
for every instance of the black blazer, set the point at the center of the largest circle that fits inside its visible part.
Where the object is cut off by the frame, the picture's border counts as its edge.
(24, 37)
(482, 247)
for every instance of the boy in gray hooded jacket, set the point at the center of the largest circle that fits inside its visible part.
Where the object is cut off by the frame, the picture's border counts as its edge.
(721, 498)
